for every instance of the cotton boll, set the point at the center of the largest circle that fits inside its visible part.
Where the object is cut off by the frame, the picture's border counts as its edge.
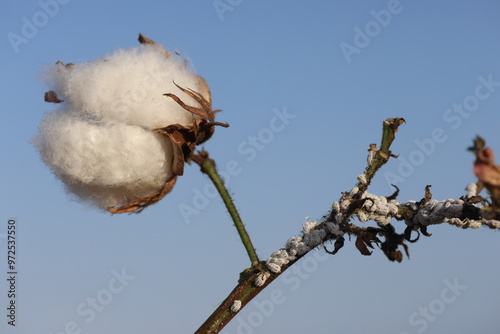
(128, 86)
(107, 163)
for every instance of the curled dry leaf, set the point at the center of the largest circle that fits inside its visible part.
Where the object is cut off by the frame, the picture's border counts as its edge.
(392, 242)
(339, 243)
(51, 97)
(486, 171)
(185, 138)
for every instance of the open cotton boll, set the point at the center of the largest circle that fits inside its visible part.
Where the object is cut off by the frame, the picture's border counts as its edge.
(127, 86)
(108, 163)
(127, 124)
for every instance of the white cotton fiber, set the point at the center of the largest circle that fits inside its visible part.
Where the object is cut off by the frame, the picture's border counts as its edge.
(127, 86)
(104, 155)
(100, 141)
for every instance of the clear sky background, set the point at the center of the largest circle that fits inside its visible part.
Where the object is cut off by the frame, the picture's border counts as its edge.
(259, 58)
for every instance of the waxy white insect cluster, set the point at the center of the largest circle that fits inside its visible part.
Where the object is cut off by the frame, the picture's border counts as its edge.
(378, 209)
(312, 236)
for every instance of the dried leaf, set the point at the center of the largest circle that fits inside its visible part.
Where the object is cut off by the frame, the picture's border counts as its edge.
(144, 40)
(407, 234)
(392, 242)
(140, 204)
(361, 246)
(423, 229)
(51, 96)
(339, 243)
(487, 172)
(396, 256)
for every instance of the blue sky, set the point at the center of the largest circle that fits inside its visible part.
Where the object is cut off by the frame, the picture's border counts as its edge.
(165, 272)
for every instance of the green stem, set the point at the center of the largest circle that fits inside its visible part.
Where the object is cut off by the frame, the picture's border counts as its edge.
(389, 128)
(208, 167)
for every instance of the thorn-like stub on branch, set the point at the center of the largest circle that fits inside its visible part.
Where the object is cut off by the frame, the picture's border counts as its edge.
(394, 195)
(200, 157)
(427, 196)
(478, 145)
(395, 122)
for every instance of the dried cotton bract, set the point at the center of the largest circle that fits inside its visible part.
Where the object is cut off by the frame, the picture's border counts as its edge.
(126, 124)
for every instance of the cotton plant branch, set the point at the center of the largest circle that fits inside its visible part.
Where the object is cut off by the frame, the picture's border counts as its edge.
(333, 227)
(208, 167)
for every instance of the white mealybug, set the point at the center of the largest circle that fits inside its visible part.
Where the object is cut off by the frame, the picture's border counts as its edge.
(362, 216)
(314, 238)
(362, 178)
(275, 268)
(309, 226)
(353, 191)
(262, 278)
(370, 157)
(382, 200)
(382, 220)
(393, 208)
(371, 154)
(236, 306)
(471, 190)
(383, 210)
(293, 242)
(302, 249)
(345, 204)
